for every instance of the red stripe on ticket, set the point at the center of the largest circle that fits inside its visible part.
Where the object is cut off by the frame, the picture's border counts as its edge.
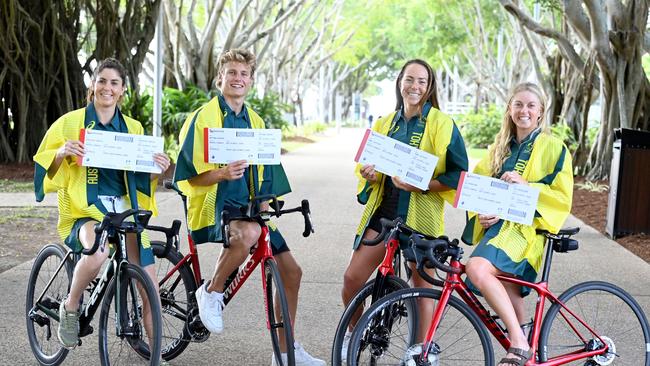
(82, 138)
(363, 145)
(205, 144)
(460, 188)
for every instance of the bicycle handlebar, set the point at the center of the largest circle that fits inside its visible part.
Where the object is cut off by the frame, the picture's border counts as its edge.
(171, 234)
(251, 213)
(116, 221)
(428, 252)
(171, 185)
(386, 226)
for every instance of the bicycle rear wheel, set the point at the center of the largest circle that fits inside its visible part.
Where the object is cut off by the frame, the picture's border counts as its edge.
(363, 300)
(177, 304)
(611, 312)
(277, 312)
(42, 318)
(126, 296)
(381, 336)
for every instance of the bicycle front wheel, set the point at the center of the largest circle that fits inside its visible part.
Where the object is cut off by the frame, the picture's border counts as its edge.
(363, 300)
(381, 335)
(176, 302)
(42, 317)
(613, 315)
(277, 312)
(130, 320)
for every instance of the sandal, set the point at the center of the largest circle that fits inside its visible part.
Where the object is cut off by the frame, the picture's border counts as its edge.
(522, 357)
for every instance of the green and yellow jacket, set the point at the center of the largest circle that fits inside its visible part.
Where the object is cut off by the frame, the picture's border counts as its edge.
(425, 212)
(548, 169)
(205, 203)
(77, 186)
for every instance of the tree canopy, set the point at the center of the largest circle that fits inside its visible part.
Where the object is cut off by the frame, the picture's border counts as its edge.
(579, 52)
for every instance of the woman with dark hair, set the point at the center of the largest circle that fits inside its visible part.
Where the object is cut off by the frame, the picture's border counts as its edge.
(524, 152)
(416, 121)
(86, 194)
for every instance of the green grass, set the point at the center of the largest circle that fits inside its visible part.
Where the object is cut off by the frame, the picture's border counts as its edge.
(7, 185)
(24, 213)
(295, 144)
(475, 153)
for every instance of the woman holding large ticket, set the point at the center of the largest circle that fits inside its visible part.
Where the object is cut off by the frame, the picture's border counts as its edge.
(522, 153)
(86, 194)
(416, 121)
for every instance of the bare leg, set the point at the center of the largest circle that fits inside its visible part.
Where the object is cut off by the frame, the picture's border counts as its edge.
(363, 263)
(483, 275)
(291, 274)
(243, 235)
(88, 266)
(425, 306)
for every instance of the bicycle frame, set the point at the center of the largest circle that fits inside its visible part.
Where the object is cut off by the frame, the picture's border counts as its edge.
(454, 283)
(88, 311)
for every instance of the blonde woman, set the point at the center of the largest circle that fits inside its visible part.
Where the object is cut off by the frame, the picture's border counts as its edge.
(522, 153)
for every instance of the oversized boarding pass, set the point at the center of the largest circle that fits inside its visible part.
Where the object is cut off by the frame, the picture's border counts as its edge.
(397, 159)
(491, 196)
(257, 146)
(121, 151)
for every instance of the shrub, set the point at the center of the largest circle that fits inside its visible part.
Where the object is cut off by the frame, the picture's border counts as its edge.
(562, 131)
(270, 108)
(479, 129)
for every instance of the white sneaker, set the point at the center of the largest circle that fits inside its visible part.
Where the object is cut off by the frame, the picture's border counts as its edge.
(344, 346)
(301, 357)
(210, 308)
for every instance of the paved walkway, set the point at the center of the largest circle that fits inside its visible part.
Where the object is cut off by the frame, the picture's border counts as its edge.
(321, 172)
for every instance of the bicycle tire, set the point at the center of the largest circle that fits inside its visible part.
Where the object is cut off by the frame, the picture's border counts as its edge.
(176, 301)
(610, 312)
(43, 339)
(273, 282)
(459, 334)
(363, 299)
(119, 348)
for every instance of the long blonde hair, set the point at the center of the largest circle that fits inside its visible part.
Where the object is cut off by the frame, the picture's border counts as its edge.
(500, 149)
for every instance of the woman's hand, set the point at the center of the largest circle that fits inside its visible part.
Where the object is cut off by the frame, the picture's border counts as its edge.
(368, 173)
(513, 177)
(163, 162)
(405, 186)
(487, 220)
(72, 148)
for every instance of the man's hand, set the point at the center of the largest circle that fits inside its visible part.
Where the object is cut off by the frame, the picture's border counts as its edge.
(233, 170)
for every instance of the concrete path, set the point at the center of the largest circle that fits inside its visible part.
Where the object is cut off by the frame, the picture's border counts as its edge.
(322, 173)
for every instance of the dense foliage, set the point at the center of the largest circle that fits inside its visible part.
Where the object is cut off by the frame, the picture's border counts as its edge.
(479, 128)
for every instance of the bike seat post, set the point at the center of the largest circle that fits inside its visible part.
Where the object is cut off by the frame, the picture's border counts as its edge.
(548, 259)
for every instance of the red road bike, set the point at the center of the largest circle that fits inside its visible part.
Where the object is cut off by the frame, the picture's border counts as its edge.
(180, 276)
(592, 323)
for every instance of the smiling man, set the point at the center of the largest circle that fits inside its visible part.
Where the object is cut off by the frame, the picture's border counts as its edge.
(212, 188)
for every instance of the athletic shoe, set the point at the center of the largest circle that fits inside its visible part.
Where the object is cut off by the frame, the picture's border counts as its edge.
(301, 357)
(68, 331)
(210, 308)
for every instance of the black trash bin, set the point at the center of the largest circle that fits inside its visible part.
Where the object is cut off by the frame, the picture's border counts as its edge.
(628, 209)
